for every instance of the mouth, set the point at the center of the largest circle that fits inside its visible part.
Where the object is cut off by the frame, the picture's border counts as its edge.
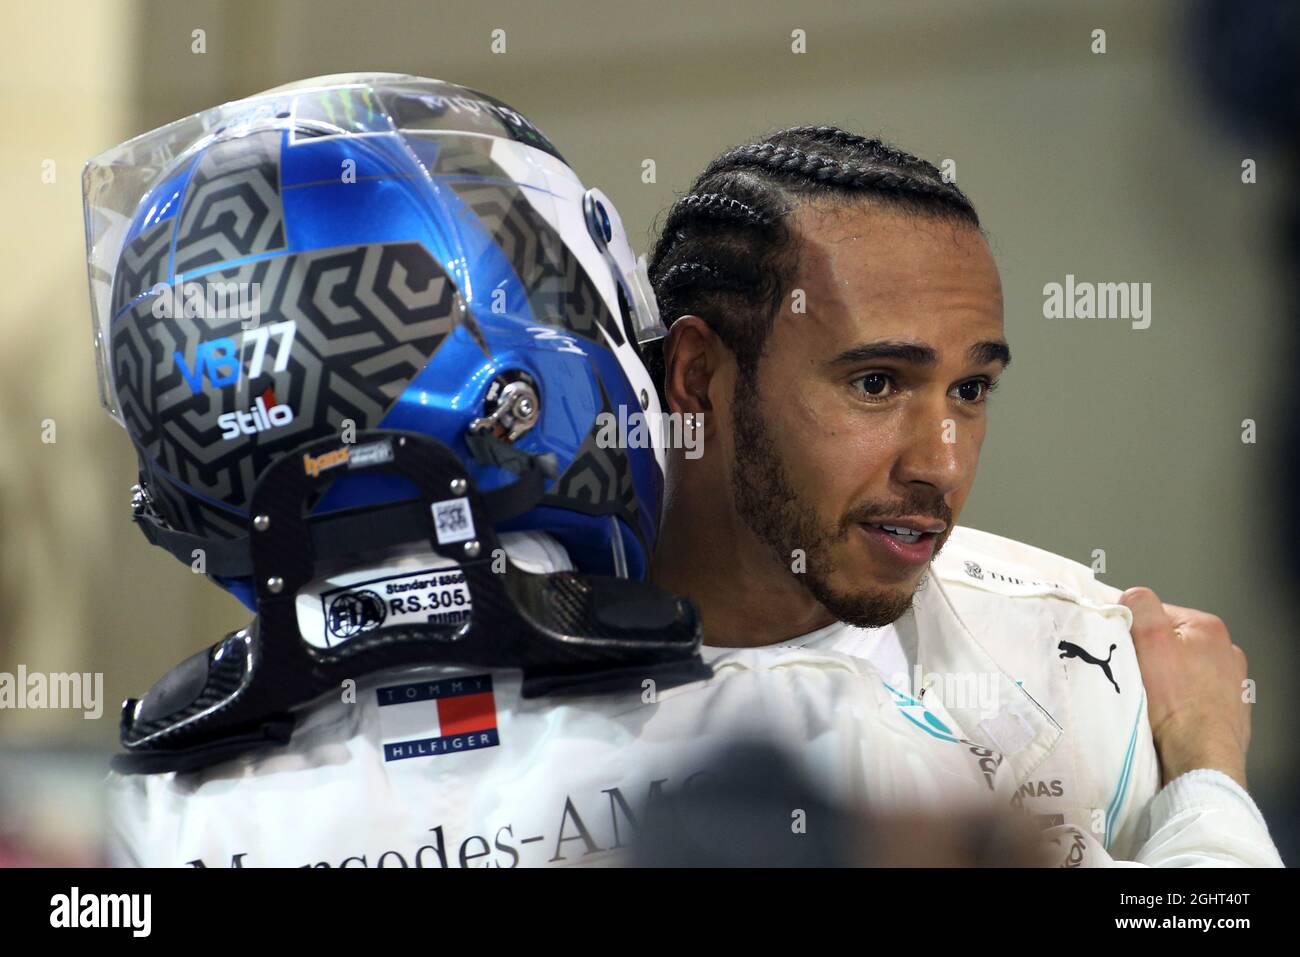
(910, 541)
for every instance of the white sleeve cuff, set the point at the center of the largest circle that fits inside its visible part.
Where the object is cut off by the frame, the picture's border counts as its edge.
(1195, 790)
(1205, 819)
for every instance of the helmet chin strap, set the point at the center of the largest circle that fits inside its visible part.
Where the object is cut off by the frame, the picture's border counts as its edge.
(347, 532)
(568, 633)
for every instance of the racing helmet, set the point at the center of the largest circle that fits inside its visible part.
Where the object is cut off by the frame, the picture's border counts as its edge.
(360, 311)
(358, 252)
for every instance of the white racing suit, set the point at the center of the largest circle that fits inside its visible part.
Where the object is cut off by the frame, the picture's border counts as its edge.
(443, 767)
(1032, 656)
(451, 767)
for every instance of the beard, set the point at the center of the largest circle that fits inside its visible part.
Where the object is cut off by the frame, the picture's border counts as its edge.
(784, 520)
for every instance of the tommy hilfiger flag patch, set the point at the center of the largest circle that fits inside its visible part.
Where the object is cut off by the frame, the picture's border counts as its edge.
(443, 716)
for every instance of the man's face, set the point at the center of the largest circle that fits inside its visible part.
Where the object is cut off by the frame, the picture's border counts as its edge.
(868, 407)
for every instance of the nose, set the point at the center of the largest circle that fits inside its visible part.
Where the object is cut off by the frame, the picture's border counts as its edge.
(935, 452)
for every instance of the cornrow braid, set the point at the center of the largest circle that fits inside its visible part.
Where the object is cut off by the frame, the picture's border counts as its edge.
(833, 134)
(686, 272)
(789, 161)
(724, 252)
(715, 207)
(839, 137)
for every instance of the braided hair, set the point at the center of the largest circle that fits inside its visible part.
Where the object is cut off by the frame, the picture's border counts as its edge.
(725, 252)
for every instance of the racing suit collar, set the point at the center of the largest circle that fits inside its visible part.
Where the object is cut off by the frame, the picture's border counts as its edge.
(949, 658)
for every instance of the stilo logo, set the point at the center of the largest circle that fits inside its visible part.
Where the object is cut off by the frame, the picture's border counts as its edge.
(264, 415)
(354, 612)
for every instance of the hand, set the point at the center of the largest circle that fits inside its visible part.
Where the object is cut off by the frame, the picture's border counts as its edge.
(1194, 687)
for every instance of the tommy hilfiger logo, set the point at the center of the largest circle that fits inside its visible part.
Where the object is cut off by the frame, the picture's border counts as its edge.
(442, 716)
(1070, 650)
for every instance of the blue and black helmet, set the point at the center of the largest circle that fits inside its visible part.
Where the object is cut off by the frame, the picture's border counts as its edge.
(363, 252)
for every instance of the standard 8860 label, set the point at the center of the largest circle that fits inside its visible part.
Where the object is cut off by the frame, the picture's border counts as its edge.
(428, 596)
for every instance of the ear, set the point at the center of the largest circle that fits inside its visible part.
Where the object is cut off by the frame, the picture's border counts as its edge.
(692, 354)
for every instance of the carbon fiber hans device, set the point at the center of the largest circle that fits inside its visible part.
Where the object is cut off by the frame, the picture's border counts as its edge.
(569, 633)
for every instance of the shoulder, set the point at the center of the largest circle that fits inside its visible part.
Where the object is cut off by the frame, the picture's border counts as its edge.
(1021, 602)
(990, 563)
(1044, 618)
(1062, 635)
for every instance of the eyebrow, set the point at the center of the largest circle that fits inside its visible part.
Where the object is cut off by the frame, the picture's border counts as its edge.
(981, 353)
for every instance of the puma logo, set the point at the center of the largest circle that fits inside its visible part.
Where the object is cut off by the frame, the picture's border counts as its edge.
(1071, 650)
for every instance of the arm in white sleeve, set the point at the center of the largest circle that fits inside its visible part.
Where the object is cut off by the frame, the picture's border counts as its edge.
(1200, 819)
(1205, 819)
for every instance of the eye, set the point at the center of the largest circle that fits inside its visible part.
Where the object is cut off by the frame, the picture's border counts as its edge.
(975, 391)
(874, 385)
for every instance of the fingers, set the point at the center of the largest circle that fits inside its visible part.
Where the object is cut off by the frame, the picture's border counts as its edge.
(1192, 676)
(1154, 618)
(1143, 601)
(1150, 620)
(1201, 623)
(1205, 622)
